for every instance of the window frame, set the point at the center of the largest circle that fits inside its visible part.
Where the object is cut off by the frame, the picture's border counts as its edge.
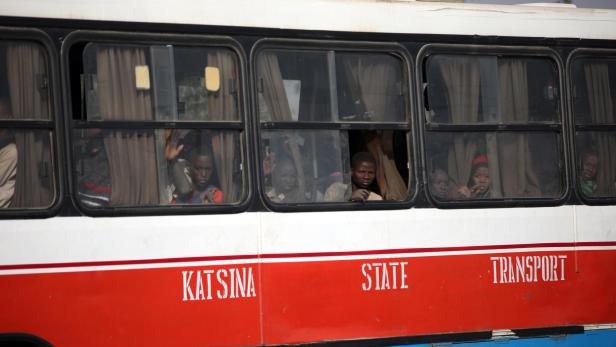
(560, 127)
(587, 128)
(54, 125)
(409, 127)
(85, 37)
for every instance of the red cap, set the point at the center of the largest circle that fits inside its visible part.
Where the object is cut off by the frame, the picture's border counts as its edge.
(480, 159)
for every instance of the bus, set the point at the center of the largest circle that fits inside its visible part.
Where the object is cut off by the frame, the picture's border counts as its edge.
(329, 172)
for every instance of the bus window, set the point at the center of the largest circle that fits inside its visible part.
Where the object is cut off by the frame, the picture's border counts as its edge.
(27, 179)
(314, 107)
(370, 88)
(594, 99)
(324, 161)
(493, 127)
(160, 126)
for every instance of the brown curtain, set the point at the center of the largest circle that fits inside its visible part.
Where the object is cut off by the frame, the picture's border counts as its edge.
(602, 111)
(276, 100)
(222, 105)
(131, 153)
(29, 92)
(512, 173)
(461, 76)
(372, 79)
(391, 185)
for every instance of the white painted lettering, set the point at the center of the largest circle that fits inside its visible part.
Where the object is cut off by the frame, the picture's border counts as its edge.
(529, 274)
(188, 295)
(377, 268)
(528, 269)
(365, 270)
(251, 284)
(394, 267)
(494, 272)
(208, 274)
(562, 266)
(240, 283)
(403, 277)
(199, 294)
(222, 294)
(230, 283)
(519, 266)
(503, 269)
(384, 276)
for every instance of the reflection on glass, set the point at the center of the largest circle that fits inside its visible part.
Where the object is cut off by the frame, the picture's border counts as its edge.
(294, 86)
(494, 165)
(594, 85)
(25, 94)
(490, 89)
(26, 169)
(596, 166)
(26, 160)
(139, 167)
(369, 87)
(150, 82)
(300, 165)
(329, 86)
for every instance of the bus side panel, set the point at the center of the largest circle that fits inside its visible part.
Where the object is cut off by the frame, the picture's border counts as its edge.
(135, 307)
(383, 297)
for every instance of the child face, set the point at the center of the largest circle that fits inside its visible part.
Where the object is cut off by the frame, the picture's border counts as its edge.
(589, 166)
(481, 180)
(440, 184)
(202, 170)
(285, 177)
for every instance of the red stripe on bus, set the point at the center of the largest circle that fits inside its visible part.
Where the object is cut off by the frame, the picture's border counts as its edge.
(305, 255)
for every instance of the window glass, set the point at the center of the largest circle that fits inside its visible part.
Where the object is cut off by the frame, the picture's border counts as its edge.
(295, 86)
(594, 100)
(493, 165)
(328, 86)
(369, 87)
(305, 162)
(596, 164)
(141, 167)
(26, 168)
(26, 158)
(300, 165)
(497, 162)
(594, 91)
(160, 82)
(465, 89)
(24, 82)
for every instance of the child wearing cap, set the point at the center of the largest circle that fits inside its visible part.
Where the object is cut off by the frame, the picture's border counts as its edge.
(478, 186)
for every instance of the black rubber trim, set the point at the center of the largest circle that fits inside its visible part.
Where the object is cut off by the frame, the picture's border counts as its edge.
(22, 340)
(156, 125)
(551, 331)
(406, 340)
(333, 126)
(493, 127)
